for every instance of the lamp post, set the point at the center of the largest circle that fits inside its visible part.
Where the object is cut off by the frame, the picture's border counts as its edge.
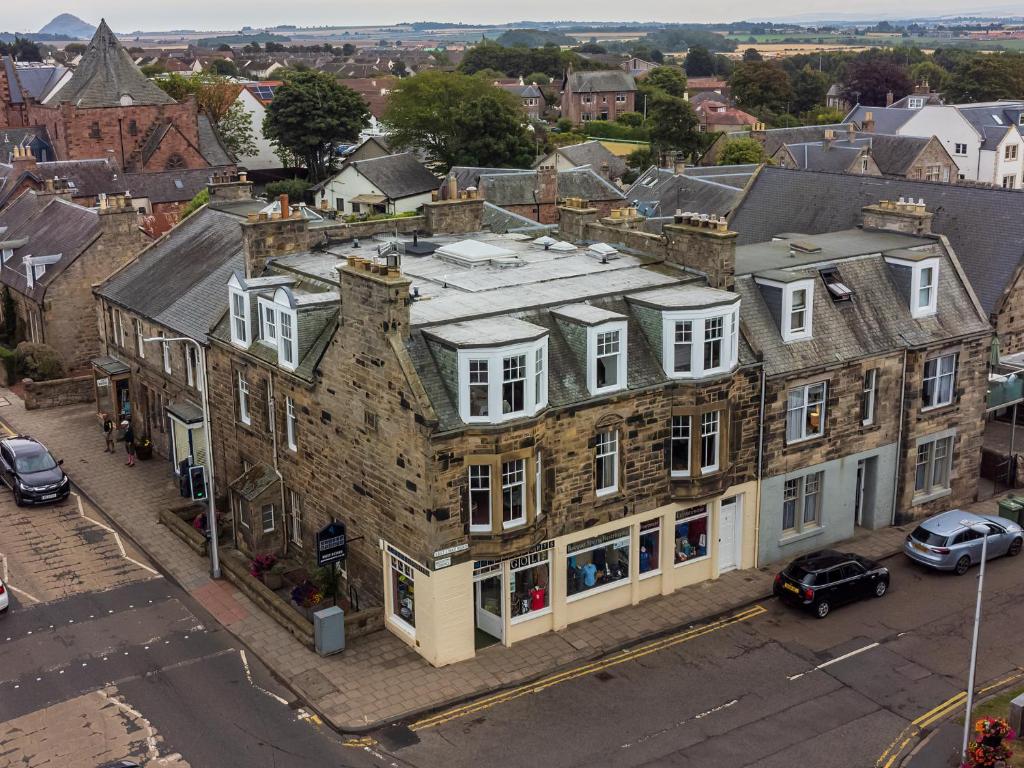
(984, 531)
(211, 514)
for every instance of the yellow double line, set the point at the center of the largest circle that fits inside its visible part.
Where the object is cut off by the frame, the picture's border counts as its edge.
(621, 657)
(931, 717)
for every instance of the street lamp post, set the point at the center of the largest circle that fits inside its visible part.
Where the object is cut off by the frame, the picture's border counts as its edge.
(984, 531)
(211, 514)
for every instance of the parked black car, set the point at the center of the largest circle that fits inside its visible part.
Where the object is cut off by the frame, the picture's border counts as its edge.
(822, 580)
(28, 469)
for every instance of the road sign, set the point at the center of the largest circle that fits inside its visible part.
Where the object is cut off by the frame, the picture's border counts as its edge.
(331, 544)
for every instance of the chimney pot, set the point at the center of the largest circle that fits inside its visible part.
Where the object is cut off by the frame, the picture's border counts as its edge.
(285, 209)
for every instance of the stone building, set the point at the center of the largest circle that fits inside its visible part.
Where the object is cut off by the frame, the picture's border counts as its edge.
(597, 95)
(53, 252)
(171, 289)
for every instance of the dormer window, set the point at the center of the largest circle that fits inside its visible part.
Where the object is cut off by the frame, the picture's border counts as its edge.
(700, 343)
(288, 351)
(917, 274)
(926, 290)
(240, 335)
(606, 358)
(799, 316)
(494, 383)
(915, 102)
(790, 298)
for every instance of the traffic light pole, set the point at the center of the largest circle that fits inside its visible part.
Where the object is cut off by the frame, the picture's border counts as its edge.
(211, 512)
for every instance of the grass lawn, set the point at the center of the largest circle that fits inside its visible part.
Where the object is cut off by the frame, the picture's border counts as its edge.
(999, 706)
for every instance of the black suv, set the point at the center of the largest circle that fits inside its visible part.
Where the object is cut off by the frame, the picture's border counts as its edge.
(28, 469)
(824, 579)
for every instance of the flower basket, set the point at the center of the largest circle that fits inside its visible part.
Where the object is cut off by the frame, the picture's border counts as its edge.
(144, 449)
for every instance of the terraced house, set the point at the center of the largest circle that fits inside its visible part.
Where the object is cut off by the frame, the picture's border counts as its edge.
(528, 430)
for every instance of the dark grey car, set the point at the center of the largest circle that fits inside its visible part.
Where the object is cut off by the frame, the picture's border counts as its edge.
(945, 543)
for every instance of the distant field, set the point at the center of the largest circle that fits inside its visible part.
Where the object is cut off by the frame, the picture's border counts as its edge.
(841, 42)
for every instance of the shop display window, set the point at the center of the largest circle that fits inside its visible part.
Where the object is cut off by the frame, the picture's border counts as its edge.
(650, 543)
(530, 586)
(601, 561)
(691, 535)
(403, 593)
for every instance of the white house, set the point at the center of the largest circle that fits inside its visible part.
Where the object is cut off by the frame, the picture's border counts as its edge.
(254, 98)
(390, 184)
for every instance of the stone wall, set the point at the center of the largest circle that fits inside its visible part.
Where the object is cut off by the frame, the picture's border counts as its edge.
(1008, 317)
(58, 392)
(934, 154)
(454, 216)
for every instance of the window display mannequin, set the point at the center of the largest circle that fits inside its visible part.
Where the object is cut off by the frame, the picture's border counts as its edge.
(538, 598)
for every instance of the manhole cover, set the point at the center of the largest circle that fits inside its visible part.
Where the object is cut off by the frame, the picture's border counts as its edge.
(315, 685)
(397, 737)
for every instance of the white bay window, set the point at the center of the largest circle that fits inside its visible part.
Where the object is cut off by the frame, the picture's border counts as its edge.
(700, 343)
(505, 383)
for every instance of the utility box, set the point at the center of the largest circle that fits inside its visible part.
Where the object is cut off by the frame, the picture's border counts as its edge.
(1017, 714)
(1011, 508)
(329, 631)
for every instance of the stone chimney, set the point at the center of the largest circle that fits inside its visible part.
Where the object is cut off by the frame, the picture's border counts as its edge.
(868, 124)
(118, 215)
(889, 98)
(851, 132)
(547, 185)
(758, 132)
(703, 243)
(264, 238)
(922, 88)
(56, 187)
(573, 217)
(374, 299)
(679, 164)
(830, 137)
(903, 215)
(455, 217)
(227, 187)
(23, 160)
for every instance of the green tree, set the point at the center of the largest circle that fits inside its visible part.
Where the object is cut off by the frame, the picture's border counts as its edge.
(641, 159)
(152, 70)
(202, 198)
(295, 189)
(931, 73)
(311, 114)
(22, 49)
(592, 48)
(741, 152)
(398, 69)
(699, 62)
(988, 78)
(809, 89)
(348, 50)
(673, 125)
(236, 131)
(752, 54)
(213, 94)
(631, 119)
(224, 68)
(668, 80)
(871, 78)
(490, 132)
(761, 85)
(537, 77)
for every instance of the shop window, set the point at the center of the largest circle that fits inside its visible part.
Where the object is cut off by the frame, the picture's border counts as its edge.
(530, 586)
(934, 461)
(691, 535)
(801, 503)
(606, 463)
(867, 397)
(649, 555)
(680, 446)
(598, 563)
(937, 385)
(480, 498)
(805, 412)
(403, 595)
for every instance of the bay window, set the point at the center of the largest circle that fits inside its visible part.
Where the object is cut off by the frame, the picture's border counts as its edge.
(513, 384)
(403, 595)
(606, 357)
(682, 351)
(478, 388)
(500, 384)
(937, 385)
(710, 425)
(513, 493)
(700, 343)
(805, 412)
(480, 498)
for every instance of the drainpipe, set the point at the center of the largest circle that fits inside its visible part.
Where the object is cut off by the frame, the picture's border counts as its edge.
(899, 439)
(760, 456)
(272, 404)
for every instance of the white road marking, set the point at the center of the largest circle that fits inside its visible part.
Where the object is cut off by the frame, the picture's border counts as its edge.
(117, 537)
(248, 676)
(835, 660)
(699, 716)
(4, 578)
(23, 593)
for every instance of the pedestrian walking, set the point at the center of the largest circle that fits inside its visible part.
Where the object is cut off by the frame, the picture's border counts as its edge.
(129, 442)
(108, 433)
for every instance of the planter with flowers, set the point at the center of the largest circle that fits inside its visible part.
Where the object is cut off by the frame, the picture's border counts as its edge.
(988, 750)
(262, 566)
(144, 449)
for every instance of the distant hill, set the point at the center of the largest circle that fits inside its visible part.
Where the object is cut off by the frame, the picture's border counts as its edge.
(67, 25)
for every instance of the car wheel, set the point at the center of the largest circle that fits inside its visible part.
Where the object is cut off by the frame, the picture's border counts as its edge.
(17, 498)
(822, 609)
(962, 565)
(1015, 547)
(881, 588)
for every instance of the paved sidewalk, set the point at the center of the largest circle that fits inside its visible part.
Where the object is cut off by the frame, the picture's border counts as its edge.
(378, 679)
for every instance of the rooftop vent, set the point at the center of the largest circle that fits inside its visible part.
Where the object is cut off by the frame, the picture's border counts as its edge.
(804, 246)
(602, 251)
(837, 289)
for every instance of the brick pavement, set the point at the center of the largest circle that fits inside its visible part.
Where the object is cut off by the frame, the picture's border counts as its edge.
(378, 678)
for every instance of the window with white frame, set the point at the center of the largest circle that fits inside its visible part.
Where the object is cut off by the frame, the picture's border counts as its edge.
(937, 384)
(268, 322)
(867, 397)
(239, 318)
(538, 487)
(620, 98)
(140, 345)
(288, 349)
(915, 102)
(596, 563)
(680, 446)
(244, 414)
(805, 412)
(700, 343)
(193, 371)
(799, 299)
(801, 503)
(606, 360)
(530, 585)
(290, 423)
(606, 462)
(1010, 152)
(934, 462)
(122, 338)
(480, 498)
(165, 350)
(710, 433)
(959, 149)
(1010, 182)
(926, 289)
(403, 595)
(267, 517)
(691, 535)
(513, 493)
(501, 384)
(924, 284)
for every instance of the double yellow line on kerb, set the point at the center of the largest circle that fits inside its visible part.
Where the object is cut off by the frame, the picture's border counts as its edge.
(931, 717)
(621, 657)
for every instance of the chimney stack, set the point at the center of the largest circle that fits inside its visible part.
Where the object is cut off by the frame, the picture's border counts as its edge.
(286, 211)
(228, 187)
(703, 243)
(869, 122)
(830, 136)
(547, 185)
(22, 159)
(851, 132)
(888, 98)
(903, 215)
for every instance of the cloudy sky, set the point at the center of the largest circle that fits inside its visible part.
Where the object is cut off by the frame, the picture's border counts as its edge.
(129, 15)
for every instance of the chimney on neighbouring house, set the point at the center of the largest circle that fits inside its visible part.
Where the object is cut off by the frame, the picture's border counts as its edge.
(573, 217)
(547, 184)
(922, 88)
(264, 238)
(703, 243)
(286, 211)
(903, 215)
(22, 159)
(456, 216)
(889, 98)
(230, 187)
(118, 215)
(868, 125)
(851, 132)
(830, 136)
(374, 299)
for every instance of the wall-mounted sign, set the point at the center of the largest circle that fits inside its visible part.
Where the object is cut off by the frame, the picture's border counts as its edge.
(444, 562)
(452, 550)
(331, 544)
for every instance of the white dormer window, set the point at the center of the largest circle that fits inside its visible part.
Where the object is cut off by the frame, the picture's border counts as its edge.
(792, 304)
(500, 384)
(268, 322)
(700, 343)
(917, 276)
(288, 348)
(239, 319)
(7, 254)
(606, 358)
(915, 102)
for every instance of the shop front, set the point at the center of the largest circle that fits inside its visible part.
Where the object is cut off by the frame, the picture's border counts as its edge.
(571, 578)
(111, 387)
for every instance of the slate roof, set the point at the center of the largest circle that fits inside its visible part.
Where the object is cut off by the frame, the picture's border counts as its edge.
(887, 119)
(24, 137)
(601, 81)
(37, 80)
(894, 155)
(776, 137)
(180, 282)
(596, 155)
(52, 226)
(985, 226)
(210, 145)
(397, 176)
(858, 328)
(815, 156)
(497, 219)
(90, 177)
(106, 74)
(992, 120)
(660, 192)
(170, 186)
(505, 186)
(731, 175)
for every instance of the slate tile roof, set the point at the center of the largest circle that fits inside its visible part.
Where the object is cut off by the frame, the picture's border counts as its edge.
(210, 145)
(601, 81)
(887, 119)
(170, 186)
(397, 176)
(984, 226)
(510, 186)
(595, 155)
(660, 192)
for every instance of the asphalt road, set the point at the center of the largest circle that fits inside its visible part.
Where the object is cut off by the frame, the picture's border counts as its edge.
(771, 690)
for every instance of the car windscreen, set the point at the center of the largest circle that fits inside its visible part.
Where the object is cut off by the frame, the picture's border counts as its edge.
(800, 574)
(925, 536)
(35, 461)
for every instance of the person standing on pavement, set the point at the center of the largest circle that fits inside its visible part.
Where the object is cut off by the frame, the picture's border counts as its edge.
(108, 433)
(129, 442)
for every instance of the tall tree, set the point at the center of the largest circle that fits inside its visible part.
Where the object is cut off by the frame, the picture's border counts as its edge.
(699, 62)
(236, 131)
(673, 125)
(809, 89)
(987, 78)
(458, 119)
(870, 79)
(743, 151)
(213, 93)
(761, 85)
(752, 54)
(311, 114)
(670, 80)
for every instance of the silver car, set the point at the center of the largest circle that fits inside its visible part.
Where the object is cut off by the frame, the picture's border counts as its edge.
(945, 543)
